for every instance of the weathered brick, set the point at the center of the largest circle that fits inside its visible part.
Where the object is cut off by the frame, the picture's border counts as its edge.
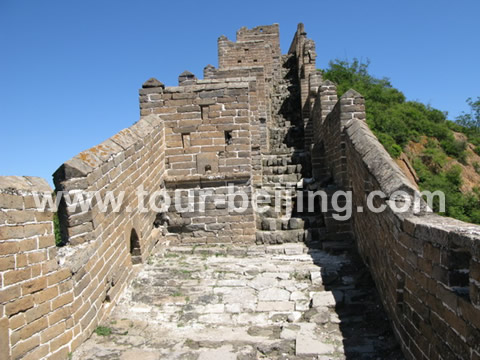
(61, 340)
(52, 331)
(38, 229)
(27, 244)
(11, 232)
(29, 330)
(17, 321)
(8, 247)
(7, 263)
(62, 300)
(45, 295)
(59, 315)
(34, 285)
(36, 312)
(25, 346)
(39, 353)
(19, 305)
(8, 201)
(4, 339)
(58, 276)
(15, 276)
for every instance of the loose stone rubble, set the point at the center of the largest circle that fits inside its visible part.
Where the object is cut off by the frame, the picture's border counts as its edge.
(247, 302)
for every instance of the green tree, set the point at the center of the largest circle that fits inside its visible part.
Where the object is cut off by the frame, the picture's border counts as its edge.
(471, 120)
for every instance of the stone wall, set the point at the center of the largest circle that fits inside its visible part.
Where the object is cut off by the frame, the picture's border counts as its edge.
(34, 289)
(207, 125)
(213, 138)
(53, 298)
(426, 267)
(210, 221)
(254, 47)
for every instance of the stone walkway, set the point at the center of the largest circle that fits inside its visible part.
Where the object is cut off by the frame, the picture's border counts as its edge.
(246, 303)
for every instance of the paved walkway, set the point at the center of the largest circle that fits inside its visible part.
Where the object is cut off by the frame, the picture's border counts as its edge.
(246, 303)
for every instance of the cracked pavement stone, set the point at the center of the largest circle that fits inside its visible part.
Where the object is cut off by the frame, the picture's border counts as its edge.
(270, 303)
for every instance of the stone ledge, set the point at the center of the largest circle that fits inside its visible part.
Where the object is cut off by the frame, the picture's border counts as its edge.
(376, 158)
(173, 182)
(23, 184)
(87, 161)
(444, 231)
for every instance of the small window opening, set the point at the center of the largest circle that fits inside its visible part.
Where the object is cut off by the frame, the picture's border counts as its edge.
(458, 261)
(228, 137)
(135, 247)
(208, 168)
(246, 50)
(186, 140)
(239, 61)
(261, 30)
(400, 290)
(254, 60)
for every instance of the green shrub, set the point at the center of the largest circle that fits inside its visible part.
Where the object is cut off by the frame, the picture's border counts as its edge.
(476, 167)
(455, 148)
(396, 122)
(103, 331)
(390, 145)
(56, 230)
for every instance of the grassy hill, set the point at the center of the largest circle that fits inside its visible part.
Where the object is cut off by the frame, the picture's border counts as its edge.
(441, 154)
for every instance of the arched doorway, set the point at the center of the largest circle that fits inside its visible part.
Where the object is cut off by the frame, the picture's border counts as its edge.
(135, 247)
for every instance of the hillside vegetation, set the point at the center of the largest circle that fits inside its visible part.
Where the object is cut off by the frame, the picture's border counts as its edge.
(442, 152)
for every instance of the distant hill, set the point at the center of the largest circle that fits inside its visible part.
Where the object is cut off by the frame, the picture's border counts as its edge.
(435, 153)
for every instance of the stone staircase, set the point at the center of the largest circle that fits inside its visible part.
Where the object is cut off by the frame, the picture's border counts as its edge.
(284, 168)
(286, 178)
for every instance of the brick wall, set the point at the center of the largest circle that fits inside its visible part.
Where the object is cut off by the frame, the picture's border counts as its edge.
(259, 46)
(426, 267)
(212, 135)
(207, 125)
(211, 221)
(304, 50)
(53, 298)
(35, 292)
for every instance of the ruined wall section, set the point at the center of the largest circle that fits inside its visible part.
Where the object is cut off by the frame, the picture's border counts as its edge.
(209, 129)
(426, 267)
(255, 48)
(207, 126)
(270, 35)
(211, 221)
(259, 106)
(309, 77)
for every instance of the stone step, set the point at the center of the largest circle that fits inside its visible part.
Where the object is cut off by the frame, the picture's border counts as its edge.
(283, 184)
(279, 170)
(273, 224)
(280, 237)
(283, 178)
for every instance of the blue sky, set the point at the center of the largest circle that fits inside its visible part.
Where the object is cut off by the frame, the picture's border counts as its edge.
(70, 70)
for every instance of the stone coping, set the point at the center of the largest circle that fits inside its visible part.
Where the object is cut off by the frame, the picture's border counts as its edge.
(172, 182)
(87, 161)
(23, 184)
